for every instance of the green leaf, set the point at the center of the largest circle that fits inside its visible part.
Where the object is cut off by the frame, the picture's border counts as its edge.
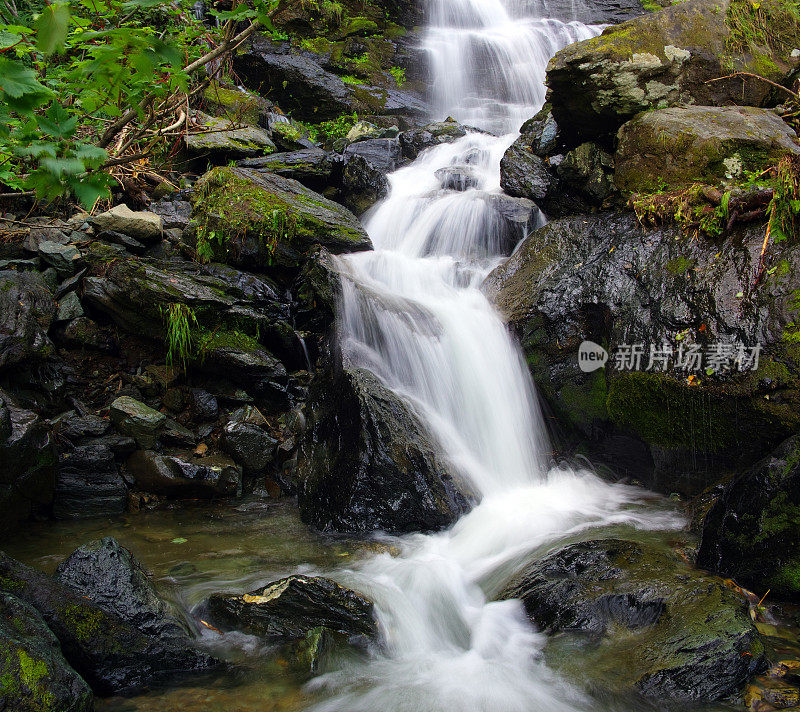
(8, 39)
(37, 149)
(240, 12)
(17, 79)
(61, 167)
(90, 189)
(52, 27)
(92, 156)
(57, 122)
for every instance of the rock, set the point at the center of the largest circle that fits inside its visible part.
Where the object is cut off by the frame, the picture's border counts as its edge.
(69, 307)
(415, 141)
(224, 140)
(526, 175)
(292, 607)
(88, 483)
(75, 428)
(362, 185)
(319, 288)
(249, 445)
(605, 279)
(27, 463)
(699, 144)
(589, 12)
(262, 219)
(107, 651)
(588, 169)
(749, 533)
(141, 422)
(34, 676)
(62, 258)
(83, 333)
(237, 105)
(367, 463)
(300, 85)
(363, 130)
(203, 404)
(653, 624)
(140, 225)
(173, 213)
(183, 475)
(118, 238)
(26, 312)
(312, 167)
(109, 576)
(382, 154)
(664, 59)
(458, 177)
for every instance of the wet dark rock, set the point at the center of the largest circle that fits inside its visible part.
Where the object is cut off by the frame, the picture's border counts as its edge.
(173, 213)
(84, 333)
(751, 530)
(646, 620)
(383, 154)
(293, 606)
(107, 651)
(588, 169)
(458, 177)
(88, 483)
(27, 463)
(75, 427)
(312, 167)
(35, 676)
(250, 445)
(203, 404)
(605, 279)
(69, 307)
(129, 243)
(413, 142)
(658, 60)
(589, 12)
(109, 576)
(26, 311)
(362, 185)
(62, 258)
(367, 462)
(184, 475)
(318, 290)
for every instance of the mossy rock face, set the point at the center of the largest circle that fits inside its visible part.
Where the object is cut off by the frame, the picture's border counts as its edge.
(685, 145)
(223, 139)
(664, 59)
(632, 617)
(233, 104)
(751, 531)
(34, 676)
(607, 280)
(254, 219)
(367, 463)
(111, 654)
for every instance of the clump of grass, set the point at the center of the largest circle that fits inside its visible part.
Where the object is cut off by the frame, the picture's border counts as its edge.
(399, 75)
(768, 24)
(784, 210)
(180, 321)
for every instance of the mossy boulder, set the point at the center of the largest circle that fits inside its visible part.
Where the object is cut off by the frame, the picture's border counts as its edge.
(312, 167)
(668, 58)
(605, 279)
(234, 104)
(751, 531)
(34, 676)
(368, 463)
(222, 139)
(256, 220)
(111, 654)
(699, 144)
(628, 616)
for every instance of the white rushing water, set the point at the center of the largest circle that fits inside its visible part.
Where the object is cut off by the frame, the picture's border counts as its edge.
(413, 313)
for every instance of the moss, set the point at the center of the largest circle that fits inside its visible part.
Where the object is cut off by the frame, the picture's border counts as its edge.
(84, 622)
(237, 340)
(586, 403)
(786, 579)
(10, 585)
(764, 31)
(679, 265)
(233, 103)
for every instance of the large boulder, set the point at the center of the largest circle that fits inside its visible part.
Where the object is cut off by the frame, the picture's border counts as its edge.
(109, 576)
(110, 653)
(367, 462)
(607, 280)
(34, 676)
(292, 607)
(750, 532)
(27, 463)
(637, 618)
(255, 219)
(26, 311)
(683, 145)
(668, 58)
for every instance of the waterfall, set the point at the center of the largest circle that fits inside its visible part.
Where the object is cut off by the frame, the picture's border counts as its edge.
(412, 312)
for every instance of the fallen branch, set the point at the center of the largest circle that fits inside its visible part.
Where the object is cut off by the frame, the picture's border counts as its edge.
(791, 93)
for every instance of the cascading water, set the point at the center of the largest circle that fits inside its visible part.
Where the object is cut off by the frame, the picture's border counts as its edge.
(413, 313)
